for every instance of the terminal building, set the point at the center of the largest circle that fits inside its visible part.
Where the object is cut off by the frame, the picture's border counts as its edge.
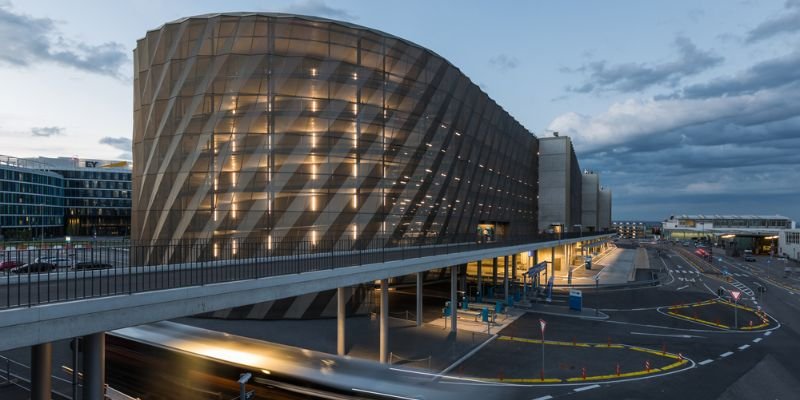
(288, 128)
(48, 197)
(736, 233)
(789, 244)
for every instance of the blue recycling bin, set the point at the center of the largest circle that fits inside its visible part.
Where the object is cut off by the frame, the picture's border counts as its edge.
(575, 300)
(446, 309)
(498, 307)
(485, 314)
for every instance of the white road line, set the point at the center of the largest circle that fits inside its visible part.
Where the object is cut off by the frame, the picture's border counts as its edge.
(743, 347)
(580, 389)
(767, 333)
(548, 397)
(723, 355)
(704, 362)
(682, 287)
(756, 340)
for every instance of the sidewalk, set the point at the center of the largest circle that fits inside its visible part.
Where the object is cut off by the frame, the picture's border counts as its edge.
(614, 267)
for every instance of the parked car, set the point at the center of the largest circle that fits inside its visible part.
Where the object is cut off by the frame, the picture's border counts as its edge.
(91, 265)
(9, 264)
(748, 256)
(60, 262)
(34, 268)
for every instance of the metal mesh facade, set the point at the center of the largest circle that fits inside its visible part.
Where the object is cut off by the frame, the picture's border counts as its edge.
(273, 127)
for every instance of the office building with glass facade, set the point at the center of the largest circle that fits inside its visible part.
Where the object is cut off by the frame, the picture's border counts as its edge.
(31, 200)
(266, 128)
(64, 196)
(97, 195)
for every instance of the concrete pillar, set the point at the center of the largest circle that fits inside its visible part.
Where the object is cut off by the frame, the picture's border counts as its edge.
(384, 324)
(453, 298)
(513, 267)
(341, 315)
(505, 278)
(94, 366)
(462, 278)
(420, 293)
(41, 366)
(494, 272)
(480, 278)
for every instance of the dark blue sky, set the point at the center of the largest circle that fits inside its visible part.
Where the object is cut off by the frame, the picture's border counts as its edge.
(681, 106)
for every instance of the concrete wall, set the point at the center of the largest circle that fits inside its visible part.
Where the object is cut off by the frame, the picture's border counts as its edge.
(590, 201)
(604, 209)
(559, 193)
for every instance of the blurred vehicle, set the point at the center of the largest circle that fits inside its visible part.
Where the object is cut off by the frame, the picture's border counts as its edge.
(748, 256)
(9, 264)
(60, 262)
(91, 265)
(34, 267)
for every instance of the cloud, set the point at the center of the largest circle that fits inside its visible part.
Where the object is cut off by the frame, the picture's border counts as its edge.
(710, 148)
(767, 74)
(119, 143)
(47, 131)
(787, 22)
(635, 77)
(318, 8)
(27, 41)
(504, 62)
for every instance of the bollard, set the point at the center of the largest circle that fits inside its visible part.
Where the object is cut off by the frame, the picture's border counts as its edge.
(617, 369)
(541, 374)
(573, 341)
(647, 366)
(609, 341)
(583, 373)
(663, 348)
(751, 323)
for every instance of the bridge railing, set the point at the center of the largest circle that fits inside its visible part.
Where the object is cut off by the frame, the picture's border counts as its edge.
(102, 271)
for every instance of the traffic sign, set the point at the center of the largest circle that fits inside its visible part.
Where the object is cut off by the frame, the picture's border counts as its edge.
(735, 294)
(542, 325)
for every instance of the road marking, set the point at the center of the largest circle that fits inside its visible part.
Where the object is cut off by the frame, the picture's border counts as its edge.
(704, 362)
(667, 335)
(548, 397)
(723, 355)
(767, 333)
(682, 287)
(580, 389)
(743, 347)
(680, 279)
(756, 340)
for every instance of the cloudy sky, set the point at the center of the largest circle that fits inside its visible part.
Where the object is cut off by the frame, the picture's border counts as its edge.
(682, 106)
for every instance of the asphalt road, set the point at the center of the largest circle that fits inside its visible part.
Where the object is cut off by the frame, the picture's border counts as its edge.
(726, 364)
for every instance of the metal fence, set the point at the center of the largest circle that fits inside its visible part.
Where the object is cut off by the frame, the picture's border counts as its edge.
(114, 269)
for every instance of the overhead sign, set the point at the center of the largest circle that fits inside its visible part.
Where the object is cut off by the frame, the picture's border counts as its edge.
(735, 294)
(542, 325)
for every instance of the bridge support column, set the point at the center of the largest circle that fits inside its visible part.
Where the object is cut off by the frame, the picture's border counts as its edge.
(384, 323)
(94, 366)
(505, 278)
(453, 298)
(462, 277)
(41, 366)
(480, 280)
(494, 272)
(341, 315)
(420, 293)
(513, 267)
